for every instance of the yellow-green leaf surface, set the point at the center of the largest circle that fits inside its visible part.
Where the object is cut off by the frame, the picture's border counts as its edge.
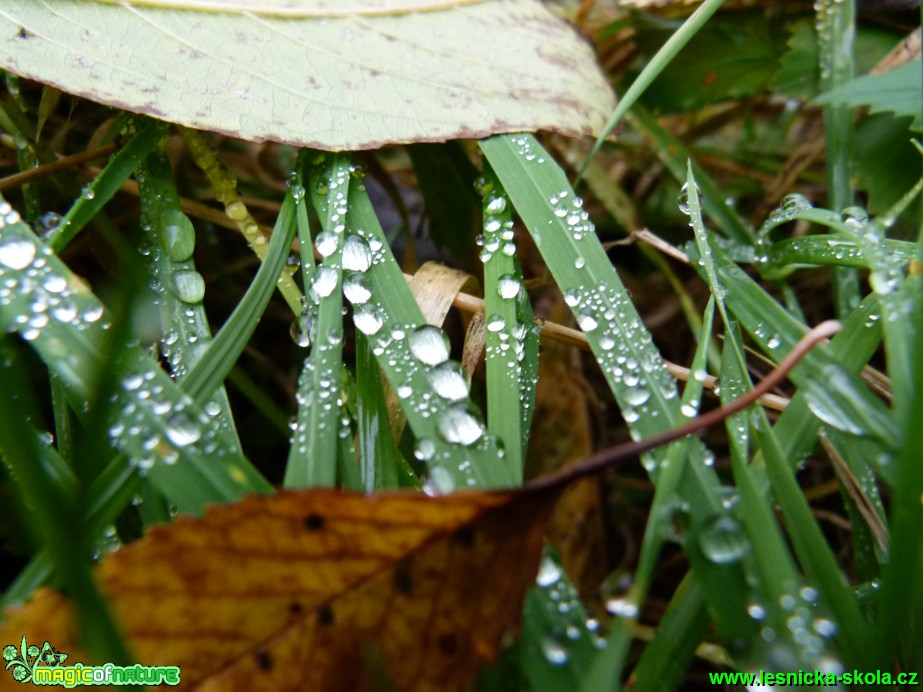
(305, 73)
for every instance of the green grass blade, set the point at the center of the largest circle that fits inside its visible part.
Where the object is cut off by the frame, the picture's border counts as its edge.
(450, 437)
(902, 583)
(565, 237)
(55, 517)
(655, 66)
(556, 645)
(836, 29)
(216, 362)
(663, 663)
(815, 556)
(152, 420)
(170, 237)
(312, 459)
(675, 156)
(95, 195)
(382, 464)
(512, 339)
(837, 396)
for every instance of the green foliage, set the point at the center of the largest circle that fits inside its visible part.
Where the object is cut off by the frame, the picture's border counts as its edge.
(116, 386)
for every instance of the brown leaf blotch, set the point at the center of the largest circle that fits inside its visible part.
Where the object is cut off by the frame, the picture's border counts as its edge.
(325, 615)
(295, 608)
(464, 536)
(263, 660)
(448, 644)
(314, 522)
(402, 580)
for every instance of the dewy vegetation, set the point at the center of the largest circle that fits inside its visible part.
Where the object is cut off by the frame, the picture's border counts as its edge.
(760, 174)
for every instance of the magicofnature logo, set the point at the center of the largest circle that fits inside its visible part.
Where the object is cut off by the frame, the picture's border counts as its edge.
(28, 657)
(43, 666)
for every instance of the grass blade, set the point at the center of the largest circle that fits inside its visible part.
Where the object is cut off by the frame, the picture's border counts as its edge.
(313, 454)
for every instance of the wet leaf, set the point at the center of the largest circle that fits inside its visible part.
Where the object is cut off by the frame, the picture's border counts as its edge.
(330, 590)
(898, 91)
(315, 73)
(318, 590)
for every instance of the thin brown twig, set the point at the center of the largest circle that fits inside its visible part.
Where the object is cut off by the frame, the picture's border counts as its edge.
(39, 172)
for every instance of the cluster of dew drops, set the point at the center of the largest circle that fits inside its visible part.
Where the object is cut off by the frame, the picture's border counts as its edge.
(43, 298)
(406, 349)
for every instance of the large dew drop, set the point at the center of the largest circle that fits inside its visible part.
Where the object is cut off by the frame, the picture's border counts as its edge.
(325, 280)
(357, 289)
(429, 345)
(327, 243)
(722, 540)
(367, 319)
(357, 255)
(448, 381)
(16, 253)
(458, 426)
(508, 286)
(178, 235)
(189, 286)
(181, 431)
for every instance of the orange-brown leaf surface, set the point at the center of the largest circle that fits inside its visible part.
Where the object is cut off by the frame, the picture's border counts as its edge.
(318, 590)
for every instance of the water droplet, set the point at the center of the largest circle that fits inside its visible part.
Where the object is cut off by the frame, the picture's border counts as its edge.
(622, 607)
(572, 298)
(189, 286)
(683, 201)
(637, 396)
(326, 243)
(300, 330)
(496, 324)
(17, 253)
(178, 235)
(548, 573)
(587, 322)
(424, 450)
(181, 431)
(458, 426)
(824, 627)
(756, 611)
(357, 255)
(722, 540)
(496, 205)
(367, 319)
(429, 345)
(55, 283)
(448, 381)
(324, 281)
(508, 286)
(554, 651)
(357, 288)
(794, 204)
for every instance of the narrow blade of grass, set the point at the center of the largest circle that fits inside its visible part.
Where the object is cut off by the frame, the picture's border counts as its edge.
(183, 455)
(450, 436)
(512, 338)
(313, 454)
(655, 66)
(170, 236)
(95, 195)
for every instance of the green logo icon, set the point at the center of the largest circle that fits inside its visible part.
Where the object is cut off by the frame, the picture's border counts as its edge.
(28, 663)
(28, 657)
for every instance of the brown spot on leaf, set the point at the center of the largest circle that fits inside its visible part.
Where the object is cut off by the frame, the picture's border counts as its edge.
(314, 522)
(263, 660)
